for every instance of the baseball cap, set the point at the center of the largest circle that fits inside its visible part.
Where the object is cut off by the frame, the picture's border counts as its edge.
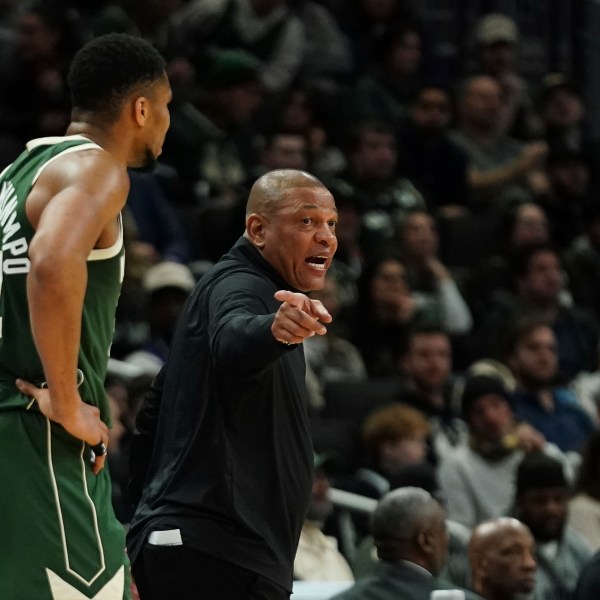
(232, 67)
(168, 274)
(494, 28)
(478, 386)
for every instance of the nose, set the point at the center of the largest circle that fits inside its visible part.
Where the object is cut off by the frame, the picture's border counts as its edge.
(529, 562)
(325, 235)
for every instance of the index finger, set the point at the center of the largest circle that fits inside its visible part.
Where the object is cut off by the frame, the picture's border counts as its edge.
(320, 312)
(292, 298)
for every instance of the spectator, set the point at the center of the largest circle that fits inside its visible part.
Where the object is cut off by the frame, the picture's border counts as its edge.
(427, 372)
(328, 54)
(501, 553)
(283, 150)
(394, 437)
(300, 112)
(500, 166)
(538, 282)
(436, 294)
(541, 503)
(365, 22)
(34, 96)
(384, 93)
(159, 234)
(564, 115)
(423, 475)
(333, 358)
(411, 538)
(553, 410)
(520, 224)
(569, 195)
(584, 506)
(384, 313)
(497, 38)
(318, 557)
(167, 285)
(429, 158)
(267, 29)
(478, 476)
(211, 139)
(370, 177)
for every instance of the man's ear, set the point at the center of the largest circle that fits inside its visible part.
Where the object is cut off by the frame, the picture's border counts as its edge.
(478, 571)
(140, 109)
(425, 541)
(255, 228)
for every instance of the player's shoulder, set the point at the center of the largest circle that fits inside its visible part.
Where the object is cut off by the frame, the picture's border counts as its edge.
(88, 168)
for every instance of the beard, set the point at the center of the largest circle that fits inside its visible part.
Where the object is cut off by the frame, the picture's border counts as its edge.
(148, 163)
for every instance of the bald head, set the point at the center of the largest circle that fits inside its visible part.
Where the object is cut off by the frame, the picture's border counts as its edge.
(480, 102)
(291, 220)
(501, 554)
(268, 191)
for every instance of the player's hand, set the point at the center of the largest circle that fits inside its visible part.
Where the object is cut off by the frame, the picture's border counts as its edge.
(298, 318)
(83, 423)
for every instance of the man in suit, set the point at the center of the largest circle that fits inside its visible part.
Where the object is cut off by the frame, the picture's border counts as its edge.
(411, 538)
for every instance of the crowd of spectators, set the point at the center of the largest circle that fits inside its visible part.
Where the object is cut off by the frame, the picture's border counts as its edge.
(465, 288)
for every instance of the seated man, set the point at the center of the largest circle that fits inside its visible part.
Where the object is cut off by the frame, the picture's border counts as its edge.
(501, 553)
(478, 477)
(412, 543)
(318, 557)
(541, 503)
(554, 410)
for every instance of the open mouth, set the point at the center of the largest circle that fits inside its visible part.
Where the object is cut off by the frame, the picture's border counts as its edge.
(317, 262)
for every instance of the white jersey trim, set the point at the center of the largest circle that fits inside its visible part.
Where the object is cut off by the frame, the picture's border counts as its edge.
(61, 525)
(98, 253)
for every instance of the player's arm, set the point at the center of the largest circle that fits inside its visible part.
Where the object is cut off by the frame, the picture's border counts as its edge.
(88, 197)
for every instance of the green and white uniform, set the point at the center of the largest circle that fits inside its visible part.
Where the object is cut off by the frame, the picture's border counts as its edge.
(59, 538)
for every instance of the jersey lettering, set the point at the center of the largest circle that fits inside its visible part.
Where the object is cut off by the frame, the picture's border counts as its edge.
(10, 226)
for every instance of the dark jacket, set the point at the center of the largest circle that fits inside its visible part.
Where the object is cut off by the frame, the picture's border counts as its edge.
(398, 582)
(223, 450)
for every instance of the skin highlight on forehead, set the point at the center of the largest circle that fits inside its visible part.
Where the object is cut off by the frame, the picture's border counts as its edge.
(268, 192)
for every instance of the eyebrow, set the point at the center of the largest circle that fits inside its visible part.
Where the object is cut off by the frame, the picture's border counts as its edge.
(314, 206)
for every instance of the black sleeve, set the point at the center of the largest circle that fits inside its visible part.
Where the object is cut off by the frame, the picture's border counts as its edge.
(143, 438)
(241, 314)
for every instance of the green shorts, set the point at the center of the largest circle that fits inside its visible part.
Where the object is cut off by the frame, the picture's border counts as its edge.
(59, 537)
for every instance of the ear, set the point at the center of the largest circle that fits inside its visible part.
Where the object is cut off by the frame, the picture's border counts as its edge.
(478, 571)
(386, 449)
(141, 109)
(256, 230)
(425, 541)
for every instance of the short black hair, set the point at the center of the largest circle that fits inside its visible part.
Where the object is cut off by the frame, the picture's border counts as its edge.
(520, 259)
(109, 68)
(538, 470)
(359, 131)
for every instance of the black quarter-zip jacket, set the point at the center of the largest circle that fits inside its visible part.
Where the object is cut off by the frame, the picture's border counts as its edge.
(222, 449)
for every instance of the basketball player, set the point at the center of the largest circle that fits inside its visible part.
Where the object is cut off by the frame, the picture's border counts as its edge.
(62, 266)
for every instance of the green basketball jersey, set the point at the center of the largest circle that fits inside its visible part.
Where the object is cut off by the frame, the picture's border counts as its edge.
(18, 354)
